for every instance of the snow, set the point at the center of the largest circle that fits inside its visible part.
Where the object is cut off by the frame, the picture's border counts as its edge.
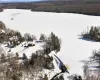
(65, 25)
(2, 31)
(28, 51)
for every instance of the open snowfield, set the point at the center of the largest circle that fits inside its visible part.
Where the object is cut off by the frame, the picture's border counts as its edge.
(67, 26)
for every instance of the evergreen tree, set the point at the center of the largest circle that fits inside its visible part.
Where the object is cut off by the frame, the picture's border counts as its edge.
(45, 77)
(15, 77)
(91, 32)
(3, 58)
(32, 59)
(24, 57)
(2, 25)
(79, 77)
(94, 34)
(96, 57)
(54, 42)
(18, 34)
(33, 37)
(42, 37)
(25, 60)
(17, 55)
(29, 37)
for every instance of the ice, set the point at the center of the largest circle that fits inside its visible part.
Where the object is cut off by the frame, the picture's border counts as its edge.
(67, 26)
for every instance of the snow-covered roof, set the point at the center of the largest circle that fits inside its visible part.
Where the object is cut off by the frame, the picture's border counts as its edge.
(13, 38)
(2, 31)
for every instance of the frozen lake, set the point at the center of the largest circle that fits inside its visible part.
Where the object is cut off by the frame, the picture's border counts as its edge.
(65, 25)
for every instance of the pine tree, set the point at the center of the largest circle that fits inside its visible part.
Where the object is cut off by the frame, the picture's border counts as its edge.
(96, 56)
(54, 42)
(45, 77)
(15, 77)
(29, 37)
(42, 37)
(17, 56)
(33, 37)
(91, 32)
(94, 34)
(24, 57)
(3, 58)
(2, 25)
(32, 59)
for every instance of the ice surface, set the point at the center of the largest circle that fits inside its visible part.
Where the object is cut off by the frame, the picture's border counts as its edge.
(65, 25)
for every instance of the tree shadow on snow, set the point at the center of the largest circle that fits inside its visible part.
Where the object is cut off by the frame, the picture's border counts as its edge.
(86, 39)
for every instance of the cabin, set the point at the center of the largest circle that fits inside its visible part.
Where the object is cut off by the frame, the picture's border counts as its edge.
(28, 44)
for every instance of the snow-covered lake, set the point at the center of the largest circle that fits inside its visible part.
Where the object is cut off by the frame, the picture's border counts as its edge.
(65, 25)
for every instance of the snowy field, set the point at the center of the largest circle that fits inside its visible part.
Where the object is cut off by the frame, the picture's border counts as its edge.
(67, 26)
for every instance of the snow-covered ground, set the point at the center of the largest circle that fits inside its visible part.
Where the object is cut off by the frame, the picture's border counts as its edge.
(20, 49)
(65, 25)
